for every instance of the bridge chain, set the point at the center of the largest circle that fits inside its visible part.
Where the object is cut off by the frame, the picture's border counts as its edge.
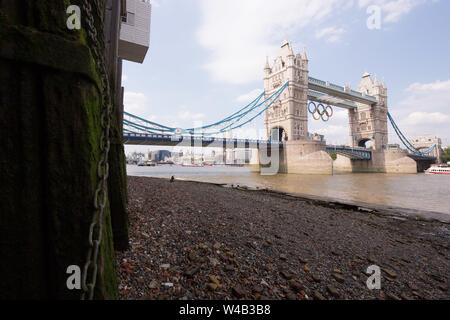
(90, 269)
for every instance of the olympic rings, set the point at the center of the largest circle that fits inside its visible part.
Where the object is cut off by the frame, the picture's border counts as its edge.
(320, 111)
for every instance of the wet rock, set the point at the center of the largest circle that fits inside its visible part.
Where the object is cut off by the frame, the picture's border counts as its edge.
(318, 296)
(291, 296)
(390, 273)
(165, 266)
(316, 277)
(392, 296)
(213, 279)
(443, 288)
(258, 289)
(212, 286)
(307, 270)
(191, 271)
(297, 287)
(216, 246)
(229, 267)
(412, 286)
(153, 284)
(302, 260)
(238, 291)
(283, 257)
(406, 297)
(286, 274)
(339, 278)
(213, 261)
(333, 291)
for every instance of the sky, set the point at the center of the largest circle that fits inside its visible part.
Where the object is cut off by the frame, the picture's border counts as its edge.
(206, 59)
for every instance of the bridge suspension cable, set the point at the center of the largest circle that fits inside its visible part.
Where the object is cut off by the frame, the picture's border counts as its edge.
(406, 142)
(135, 124)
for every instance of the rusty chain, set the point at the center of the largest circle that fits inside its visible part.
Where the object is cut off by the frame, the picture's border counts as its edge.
(101, 192)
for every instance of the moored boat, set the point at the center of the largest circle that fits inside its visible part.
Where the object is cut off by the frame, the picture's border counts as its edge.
(445, 169)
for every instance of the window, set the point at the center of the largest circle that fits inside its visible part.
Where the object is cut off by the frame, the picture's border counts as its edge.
(128, 18)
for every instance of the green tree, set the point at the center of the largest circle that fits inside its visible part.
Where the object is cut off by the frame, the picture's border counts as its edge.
(446, 155)
(333, 155)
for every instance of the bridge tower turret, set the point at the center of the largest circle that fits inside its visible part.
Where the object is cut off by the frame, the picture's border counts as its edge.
(289, 114)
(369, 122)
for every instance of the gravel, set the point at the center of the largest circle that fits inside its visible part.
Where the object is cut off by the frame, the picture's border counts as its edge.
(196, 241)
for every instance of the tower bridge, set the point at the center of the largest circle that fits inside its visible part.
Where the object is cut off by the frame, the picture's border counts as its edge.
(290, 94)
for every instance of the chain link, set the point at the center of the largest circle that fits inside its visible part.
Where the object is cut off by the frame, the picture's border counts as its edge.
(90, 269)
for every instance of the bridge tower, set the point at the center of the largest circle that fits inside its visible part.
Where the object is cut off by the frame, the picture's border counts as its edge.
(289, 114)
(288, 117)
(370, 122)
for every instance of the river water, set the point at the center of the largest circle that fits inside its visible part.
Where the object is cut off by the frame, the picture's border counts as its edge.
(419, 191)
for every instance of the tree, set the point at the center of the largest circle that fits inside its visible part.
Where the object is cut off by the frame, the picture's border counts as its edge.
(333, 155)
(446, 155)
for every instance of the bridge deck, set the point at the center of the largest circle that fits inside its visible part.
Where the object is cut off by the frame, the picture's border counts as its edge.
(352, 153)
(190, 141)
(340, 92)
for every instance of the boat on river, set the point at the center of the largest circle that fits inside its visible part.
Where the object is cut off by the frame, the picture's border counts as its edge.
(443, 169)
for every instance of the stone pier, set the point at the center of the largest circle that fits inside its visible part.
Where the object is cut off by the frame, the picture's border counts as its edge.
(383, 161)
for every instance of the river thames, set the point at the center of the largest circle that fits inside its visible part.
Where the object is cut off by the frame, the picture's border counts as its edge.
(419, 192)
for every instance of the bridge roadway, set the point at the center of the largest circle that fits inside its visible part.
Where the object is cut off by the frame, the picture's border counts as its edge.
(192, 141)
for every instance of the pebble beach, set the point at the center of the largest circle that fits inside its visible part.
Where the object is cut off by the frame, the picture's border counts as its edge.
(199, 241)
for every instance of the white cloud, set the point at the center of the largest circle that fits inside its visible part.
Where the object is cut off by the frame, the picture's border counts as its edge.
(187, 115)
(249, 97)
(428, 97)
(425, 110)
(136, 103)
(425, 118)
(239, 34)
(332, 34)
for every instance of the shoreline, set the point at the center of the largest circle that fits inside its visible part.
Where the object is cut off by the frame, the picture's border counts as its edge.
(197, 241)
(401, 212)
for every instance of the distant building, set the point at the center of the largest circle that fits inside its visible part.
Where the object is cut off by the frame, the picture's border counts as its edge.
(425, 142)
(316, 137)
(158, 156)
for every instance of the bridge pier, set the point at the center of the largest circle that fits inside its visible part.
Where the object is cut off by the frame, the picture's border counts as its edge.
(307, 157)
(383, 161)
(295, 157)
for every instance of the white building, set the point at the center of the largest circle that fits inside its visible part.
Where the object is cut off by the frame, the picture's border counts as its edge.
(135, 30)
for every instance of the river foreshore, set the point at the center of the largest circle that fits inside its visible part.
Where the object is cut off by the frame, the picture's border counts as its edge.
(191, 240)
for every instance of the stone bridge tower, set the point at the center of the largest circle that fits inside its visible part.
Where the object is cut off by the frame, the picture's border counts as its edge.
(369, 123)
(289, 114)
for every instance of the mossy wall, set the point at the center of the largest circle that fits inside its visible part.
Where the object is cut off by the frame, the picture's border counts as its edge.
(49, 137)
